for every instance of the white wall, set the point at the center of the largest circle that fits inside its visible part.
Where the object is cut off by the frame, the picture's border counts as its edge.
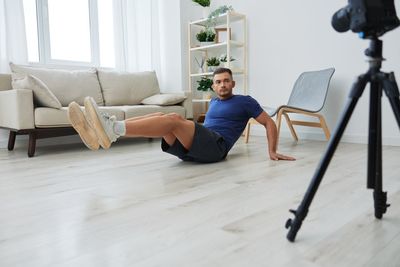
(171, 36)
(289, 37)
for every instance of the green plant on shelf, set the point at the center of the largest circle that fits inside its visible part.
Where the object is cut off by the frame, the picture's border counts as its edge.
(206, 35)
(224, 58)
(213, 62)
(211, 20)
(204, 84)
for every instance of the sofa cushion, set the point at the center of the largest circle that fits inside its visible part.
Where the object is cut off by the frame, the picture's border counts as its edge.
(50, 117)
(141, 110)
(41, 94)
(66, 85)
(164, 99)
(123, 88)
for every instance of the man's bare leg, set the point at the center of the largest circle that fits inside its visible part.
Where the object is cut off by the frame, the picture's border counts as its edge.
(169, 126)
(145, 116)
(169, 138)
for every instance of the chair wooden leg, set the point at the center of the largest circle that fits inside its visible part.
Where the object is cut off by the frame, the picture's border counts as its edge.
(247, 132)
(11, 140)
(278, 124)
(291, 128)
(324, 127)
(32, 144)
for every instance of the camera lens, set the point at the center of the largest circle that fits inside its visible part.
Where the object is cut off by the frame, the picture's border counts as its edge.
(341, 20)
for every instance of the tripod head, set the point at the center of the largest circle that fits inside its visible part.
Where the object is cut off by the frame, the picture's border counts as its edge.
(369, 18)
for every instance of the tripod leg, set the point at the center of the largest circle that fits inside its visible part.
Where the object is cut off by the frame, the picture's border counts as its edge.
(392, 92)
(389, 84)
(374, 178)
(373, 135)
(301, 212)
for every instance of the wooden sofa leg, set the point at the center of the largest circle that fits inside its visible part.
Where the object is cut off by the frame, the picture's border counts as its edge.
(11, 140)
(32, 144)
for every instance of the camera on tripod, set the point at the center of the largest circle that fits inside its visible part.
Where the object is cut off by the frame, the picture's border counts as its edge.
(369, 18)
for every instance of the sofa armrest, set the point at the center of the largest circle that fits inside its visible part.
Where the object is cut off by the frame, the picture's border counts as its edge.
(188, 105)
(16, 109)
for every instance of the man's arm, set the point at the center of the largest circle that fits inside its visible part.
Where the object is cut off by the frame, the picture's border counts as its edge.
(272, 136)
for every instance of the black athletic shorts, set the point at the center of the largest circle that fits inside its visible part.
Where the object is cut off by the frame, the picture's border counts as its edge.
(208, 146)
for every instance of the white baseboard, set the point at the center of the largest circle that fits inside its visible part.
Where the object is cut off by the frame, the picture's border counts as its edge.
(346, 138)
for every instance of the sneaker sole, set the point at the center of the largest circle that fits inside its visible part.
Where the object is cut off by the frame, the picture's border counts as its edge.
(81, 125)
(91, 111)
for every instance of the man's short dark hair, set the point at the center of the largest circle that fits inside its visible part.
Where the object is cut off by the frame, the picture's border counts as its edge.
(222, 70)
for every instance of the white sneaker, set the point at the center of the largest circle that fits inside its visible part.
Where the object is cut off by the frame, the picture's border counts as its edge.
(82, 126)
(101, 122)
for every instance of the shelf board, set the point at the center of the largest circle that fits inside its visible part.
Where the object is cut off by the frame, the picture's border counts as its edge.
(216, 45)
(234, 71)
(221, 19)
(200, 100)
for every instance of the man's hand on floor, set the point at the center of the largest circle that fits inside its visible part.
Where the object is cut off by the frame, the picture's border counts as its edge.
(277, 156)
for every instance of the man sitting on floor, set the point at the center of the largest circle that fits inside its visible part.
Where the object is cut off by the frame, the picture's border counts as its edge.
(225, 121)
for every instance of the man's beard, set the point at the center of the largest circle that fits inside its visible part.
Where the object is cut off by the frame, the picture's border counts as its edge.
(224, 92)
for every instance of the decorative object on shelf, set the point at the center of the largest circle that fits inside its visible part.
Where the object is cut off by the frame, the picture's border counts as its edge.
(206, 36)
(206, 6)
(212, 64)
(204, 84)
(224, 59)
(200, 64)
(211, 20)
(221, 35)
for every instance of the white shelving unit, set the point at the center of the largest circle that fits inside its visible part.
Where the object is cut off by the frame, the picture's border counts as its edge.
(235, 46)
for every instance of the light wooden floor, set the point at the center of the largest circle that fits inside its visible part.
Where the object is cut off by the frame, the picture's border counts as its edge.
(136, 206)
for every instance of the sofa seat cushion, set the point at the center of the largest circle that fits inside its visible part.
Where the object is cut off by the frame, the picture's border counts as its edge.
(66, 85)
(123, 88)
(141, 110)
(50, 117)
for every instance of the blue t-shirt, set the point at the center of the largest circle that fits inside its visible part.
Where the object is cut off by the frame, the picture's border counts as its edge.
(229, 117)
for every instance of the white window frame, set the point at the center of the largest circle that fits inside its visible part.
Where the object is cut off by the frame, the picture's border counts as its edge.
(44, 37)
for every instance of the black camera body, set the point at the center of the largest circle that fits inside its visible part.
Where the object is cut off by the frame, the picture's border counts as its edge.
(369, 18)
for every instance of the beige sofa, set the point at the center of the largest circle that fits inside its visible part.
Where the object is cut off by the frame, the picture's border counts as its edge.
(27, 108)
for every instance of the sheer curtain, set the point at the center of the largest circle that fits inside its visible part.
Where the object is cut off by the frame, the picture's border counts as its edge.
(12, 34)
(12, 40)
(148, 37)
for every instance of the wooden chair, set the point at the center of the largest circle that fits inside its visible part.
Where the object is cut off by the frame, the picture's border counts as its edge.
(307, 98)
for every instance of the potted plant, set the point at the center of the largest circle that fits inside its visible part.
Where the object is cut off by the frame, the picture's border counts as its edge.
(205, 86)
(206, 37)
(211, 20)
(212, 64)
(224, 59)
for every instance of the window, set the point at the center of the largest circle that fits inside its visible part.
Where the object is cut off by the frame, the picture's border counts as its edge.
(70, 32)
(31, 30)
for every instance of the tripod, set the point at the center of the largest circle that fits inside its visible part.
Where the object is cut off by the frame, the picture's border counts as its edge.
(378, 80)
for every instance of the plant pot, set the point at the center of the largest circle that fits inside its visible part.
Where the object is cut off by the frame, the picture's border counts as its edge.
(212, 68)
(231, 64)
(206, 43)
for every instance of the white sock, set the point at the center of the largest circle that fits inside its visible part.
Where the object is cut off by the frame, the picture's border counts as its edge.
(119, 128)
